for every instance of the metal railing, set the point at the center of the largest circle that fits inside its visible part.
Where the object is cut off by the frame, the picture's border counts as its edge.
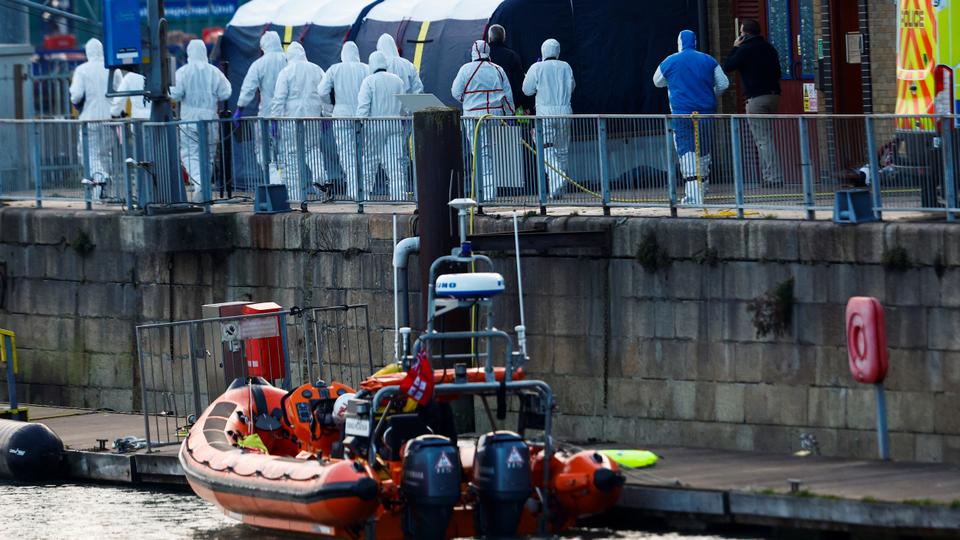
(185, 365)
(739, 165)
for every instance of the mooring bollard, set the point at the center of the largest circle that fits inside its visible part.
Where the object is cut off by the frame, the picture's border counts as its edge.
(868, 356)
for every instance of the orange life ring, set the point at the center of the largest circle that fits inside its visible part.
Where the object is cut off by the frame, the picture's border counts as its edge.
(867, 340)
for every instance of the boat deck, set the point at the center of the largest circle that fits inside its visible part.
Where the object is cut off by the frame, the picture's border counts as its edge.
(729, 486)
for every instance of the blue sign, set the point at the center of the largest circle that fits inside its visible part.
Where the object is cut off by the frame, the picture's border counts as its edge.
(194, 9)
(121, 33)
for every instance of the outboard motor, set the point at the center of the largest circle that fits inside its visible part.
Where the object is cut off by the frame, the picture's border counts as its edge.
(431, 486)
(502, 482)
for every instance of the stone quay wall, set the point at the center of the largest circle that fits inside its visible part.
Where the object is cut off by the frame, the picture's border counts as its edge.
(647, 340)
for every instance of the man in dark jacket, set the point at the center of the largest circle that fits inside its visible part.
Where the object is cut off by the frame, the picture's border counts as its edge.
(759, 67)
(510, 62)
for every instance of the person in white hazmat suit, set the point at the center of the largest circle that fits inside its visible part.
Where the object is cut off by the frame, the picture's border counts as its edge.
(383, 139)
(297, 96)
(199, 87)
(400, 66)
(484, 89)
(88, 92)
(551, 80)
(262, 78)
(341, 87)
(139, 105)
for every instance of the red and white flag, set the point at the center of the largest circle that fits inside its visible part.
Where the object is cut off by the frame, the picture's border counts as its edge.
(418, 384)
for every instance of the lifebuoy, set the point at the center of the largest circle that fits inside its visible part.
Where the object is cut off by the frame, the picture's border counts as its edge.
(867, 340)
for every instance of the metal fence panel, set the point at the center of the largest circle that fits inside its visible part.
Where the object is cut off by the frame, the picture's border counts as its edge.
(185, 365)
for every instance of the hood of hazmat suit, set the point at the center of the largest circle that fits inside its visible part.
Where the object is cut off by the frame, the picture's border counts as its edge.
(481, 85)
(551, 81)
(263, 73)
(378, 91)
(341, 84)
(296, 94)
(400, 66)
(199, 86)
(88, 89)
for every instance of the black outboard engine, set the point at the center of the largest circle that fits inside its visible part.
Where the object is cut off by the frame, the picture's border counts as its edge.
(430, 485)
(502, 482)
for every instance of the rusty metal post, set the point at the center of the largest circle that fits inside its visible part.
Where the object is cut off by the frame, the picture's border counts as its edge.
(438, 157)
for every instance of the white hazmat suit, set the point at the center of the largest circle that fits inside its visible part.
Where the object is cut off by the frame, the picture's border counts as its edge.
(400, 66)
(297, 96)
(262, 78)
(383, 139)
(263, 73)
(88, 91)
(199, 88)
(551, 80)
(139, 105)
(483, 88)
(342, 82)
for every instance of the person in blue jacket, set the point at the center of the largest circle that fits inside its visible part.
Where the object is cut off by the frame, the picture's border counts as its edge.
(693, 80)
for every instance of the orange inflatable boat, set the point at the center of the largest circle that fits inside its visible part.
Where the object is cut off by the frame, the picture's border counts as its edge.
(277, 459)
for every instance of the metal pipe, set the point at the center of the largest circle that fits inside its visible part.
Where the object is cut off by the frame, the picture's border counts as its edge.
(806, 166)
(57, 12)
(401, 257)
(874, 168)
(883, 438)
(737, 164)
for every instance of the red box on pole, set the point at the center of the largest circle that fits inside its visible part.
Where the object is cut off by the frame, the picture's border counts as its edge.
(261, 337)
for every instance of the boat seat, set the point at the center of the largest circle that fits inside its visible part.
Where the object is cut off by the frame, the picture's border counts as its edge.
(399, 429)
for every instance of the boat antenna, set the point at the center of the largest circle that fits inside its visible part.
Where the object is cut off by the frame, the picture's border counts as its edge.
(396, 299)
(522, 329)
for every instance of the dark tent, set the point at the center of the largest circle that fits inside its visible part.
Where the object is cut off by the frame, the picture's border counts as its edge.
(614, 46)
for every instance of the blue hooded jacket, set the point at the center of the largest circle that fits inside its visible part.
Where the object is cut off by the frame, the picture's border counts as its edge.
(690, 77)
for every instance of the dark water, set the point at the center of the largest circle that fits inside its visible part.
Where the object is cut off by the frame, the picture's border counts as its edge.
(30, 512)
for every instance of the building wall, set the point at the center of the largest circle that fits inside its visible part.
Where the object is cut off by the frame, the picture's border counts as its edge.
(667, 354)
(883, 55)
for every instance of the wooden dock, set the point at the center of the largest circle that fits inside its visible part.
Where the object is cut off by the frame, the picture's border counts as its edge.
(712, 485)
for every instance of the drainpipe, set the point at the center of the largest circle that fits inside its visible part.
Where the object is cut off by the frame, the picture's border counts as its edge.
(401, 256)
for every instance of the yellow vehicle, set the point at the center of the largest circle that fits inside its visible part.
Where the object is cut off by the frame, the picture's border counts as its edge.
(928, 59)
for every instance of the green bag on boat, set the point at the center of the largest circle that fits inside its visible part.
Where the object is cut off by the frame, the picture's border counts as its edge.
(635, 459)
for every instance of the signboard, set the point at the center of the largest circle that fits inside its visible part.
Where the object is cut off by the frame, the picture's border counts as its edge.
(260, 327)
(811, 103)
(179, 10)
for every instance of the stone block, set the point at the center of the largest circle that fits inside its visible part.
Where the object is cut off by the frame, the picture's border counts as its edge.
(119, 300)
(773, 240)
(950, 365)
(826, 407)
(715, 361)
(951, 245)
(906, 327)
(50, 227)
(266, 231)
(777, 439)
(152, 268)
(682, 404)
(738, 323)
(903, 287)
(929, 448)
(857, 443)
(672, 360)
(910, 411)
(51, 262)
(946, 414)
(296, 228)
(949, 288)
(842, 283)
(812, 282)
(942, 330)
(951, 449)
(705, 401)
(789, 364)
(665, 319)
(728, 238)
(903, 446)
(914, 370)
(42, 297)
(871, 281)
(832, 366)
(109, 336)
(687, 320)
(110, 371)
(43, 368)
(817, 242)
(43, 333)
(729, 404)
(862, 408)
(775, 404)
(117, 399)
(570, 398)
(43, 394)
(633, 318)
